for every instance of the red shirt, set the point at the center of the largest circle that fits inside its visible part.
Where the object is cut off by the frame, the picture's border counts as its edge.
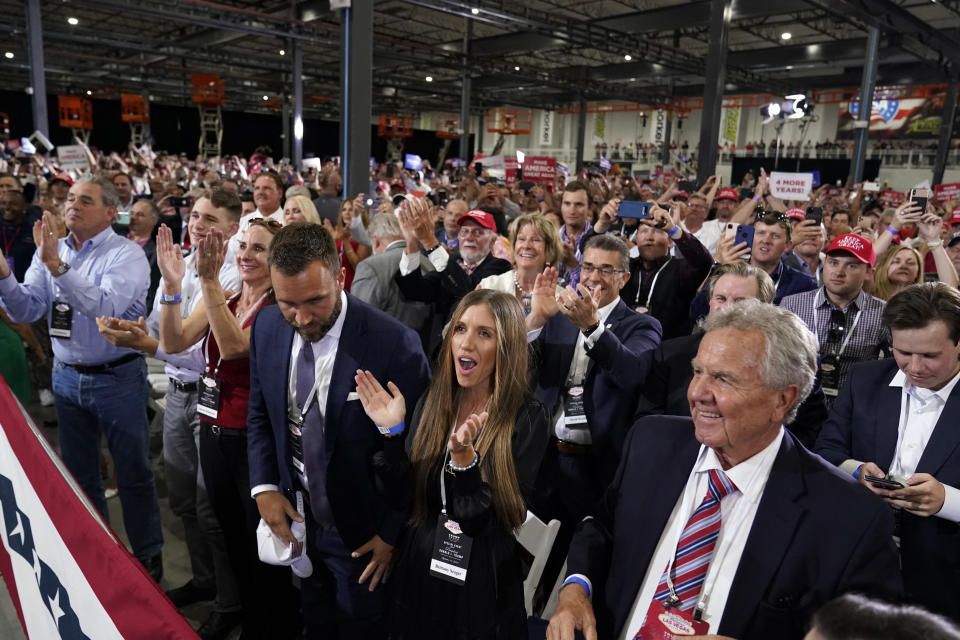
(234, 375)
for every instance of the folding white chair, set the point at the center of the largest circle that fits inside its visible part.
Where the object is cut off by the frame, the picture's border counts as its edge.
(537, 538)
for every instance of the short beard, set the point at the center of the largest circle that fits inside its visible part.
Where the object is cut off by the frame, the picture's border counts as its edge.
(316, 333)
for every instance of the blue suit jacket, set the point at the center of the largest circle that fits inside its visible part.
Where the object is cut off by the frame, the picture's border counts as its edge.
(789, 567)
(864, 425)
(616, 372)
(371, 340)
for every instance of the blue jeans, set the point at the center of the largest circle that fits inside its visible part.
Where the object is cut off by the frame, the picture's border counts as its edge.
(114, 404)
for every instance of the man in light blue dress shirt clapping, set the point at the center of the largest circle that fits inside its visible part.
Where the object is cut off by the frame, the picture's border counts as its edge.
(99, 388)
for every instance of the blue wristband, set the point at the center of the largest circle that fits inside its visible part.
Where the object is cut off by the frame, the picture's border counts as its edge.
(392, 431)
(164, 299)
(893, 232)
(580, 581)
(856, 474)
(676, 228)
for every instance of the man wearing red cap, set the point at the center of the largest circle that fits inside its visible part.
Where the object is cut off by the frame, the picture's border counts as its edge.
(456, 274)
(846, 320)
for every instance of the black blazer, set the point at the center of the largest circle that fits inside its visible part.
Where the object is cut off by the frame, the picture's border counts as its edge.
(445, 289)
(613, 378)
(864, 425)
(789, 567)
(665, 389)
(371, 340)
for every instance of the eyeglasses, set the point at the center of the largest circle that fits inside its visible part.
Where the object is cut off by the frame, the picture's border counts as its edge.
(773, 217)
(266, 222)
(606, 270)
(838, 326)
(474, 232)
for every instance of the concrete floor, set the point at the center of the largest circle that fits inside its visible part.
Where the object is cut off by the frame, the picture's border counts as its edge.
(176, 564)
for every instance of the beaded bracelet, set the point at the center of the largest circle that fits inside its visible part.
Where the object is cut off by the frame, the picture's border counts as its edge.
(476, 459)
(391, 431)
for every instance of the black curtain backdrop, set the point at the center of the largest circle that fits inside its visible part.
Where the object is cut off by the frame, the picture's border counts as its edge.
(177, 130)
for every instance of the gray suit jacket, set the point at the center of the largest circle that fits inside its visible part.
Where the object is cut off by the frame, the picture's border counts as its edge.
(374, 284)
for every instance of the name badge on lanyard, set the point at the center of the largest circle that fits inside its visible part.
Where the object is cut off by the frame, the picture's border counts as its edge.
(573, 409)
(61, 319)
(451, 551)
(208, 402)
(664, 623)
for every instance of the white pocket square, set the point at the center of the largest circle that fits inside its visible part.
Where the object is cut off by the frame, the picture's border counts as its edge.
(353, 395)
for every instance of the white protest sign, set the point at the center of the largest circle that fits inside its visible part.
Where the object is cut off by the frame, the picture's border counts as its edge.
(791, 186)
(73, 157)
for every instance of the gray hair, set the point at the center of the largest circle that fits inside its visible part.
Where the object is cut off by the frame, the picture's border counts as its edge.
(297, 190)
(606, 242)
(790, 349)
(383, 226)
(154, 211)
(766, 290)
(108, 192)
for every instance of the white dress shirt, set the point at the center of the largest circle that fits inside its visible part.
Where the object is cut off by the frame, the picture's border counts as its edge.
(709, 234)
(324, 356)
(920, 411)
(579, 365)
(738, 510)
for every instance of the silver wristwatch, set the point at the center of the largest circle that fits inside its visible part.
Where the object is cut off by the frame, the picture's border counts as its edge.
(61, 269)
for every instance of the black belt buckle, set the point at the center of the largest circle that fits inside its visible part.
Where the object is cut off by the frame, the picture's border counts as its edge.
(186, 387)
(215, 430)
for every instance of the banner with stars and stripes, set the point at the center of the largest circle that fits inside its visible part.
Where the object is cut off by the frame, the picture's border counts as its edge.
(68, 575)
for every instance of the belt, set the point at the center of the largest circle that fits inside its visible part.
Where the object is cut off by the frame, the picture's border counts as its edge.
(218, 431)
(572, 448)
(106, 366)
(188, 387)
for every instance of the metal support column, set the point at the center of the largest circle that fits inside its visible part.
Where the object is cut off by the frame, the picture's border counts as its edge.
(285, 119)
(481, 127)
(297, 54)
(356, 80)
(947, 119)
(862, 123)
(581, 131)
(37, 81)
(715, 82)
(465, 94)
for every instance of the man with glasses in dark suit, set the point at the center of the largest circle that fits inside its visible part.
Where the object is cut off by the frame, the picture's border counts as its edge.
(846, 319)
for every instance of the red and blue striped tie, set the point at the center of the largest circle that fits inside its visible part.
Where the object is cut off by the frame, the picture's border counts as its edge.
(695, 547)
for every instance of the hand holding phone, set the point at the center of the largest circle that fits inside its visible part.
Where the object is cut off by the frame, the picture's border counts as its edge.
(884, 483)
(635, 209)
(920, 198)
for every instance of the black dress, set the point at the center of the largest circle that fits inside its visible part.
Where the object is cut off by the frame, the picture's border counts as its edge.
(490, 603)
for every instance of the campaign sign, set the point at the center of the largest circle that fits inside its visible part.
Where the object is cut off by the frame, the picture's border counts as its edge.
(791, 186)
(73, 157)
(536, 168)
(944, 192)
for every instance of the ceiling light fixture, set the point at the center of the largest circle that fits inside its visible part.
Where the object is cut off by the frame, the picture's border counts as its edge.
(265, 98)
(475, 11)
(282, 52)
(89, 93)
(429, 78)
(628, 57)
(73, 21)
(516, 68)
(786, 35)
(8, 55)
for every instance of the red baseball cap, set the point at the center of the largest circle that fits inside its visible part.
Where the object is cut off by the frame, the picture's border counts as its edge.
(796, 213)
(728, 194)
(858, 246)
(479, 216)
(683, 195)
(62, 177)
(955, 216)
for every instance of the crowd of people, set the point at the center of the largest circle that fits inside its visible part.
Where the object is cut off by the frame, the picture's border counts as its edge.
(739, 409)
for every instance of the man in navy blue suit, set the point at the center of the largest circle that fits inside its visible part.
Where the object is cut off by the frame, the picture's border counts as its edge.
(587, 347)
(897, 419)
(777, 533)
(308, 433)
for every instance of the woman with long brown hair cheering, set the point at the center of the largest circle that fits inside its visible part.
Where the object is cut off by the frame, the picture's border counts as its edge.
(472, 453)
